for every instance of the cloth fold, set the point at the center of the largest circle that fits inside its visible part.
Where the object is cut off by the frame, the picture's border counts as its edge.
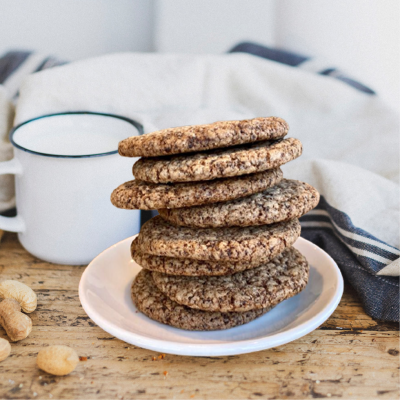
(350, 139)
(298, 60)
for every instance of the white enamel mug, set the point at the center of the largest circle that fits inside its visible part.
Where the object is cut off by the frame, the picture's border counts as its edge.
(66, 166)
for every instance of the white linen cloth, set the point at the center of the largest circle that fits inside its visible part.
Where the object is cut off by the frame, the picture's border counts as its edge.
(350, 138)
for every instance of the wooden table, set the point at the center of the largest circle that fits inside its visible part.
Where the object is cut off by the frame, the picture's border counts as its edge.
(349, 356)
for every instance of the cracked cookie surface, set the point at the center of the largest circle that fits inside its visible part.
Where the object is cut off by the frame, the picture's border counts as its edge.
(155, 305)
(249, 244)
(286, 200)
(186, 266)
(150, 196)
(265, 286)
(194, 138)
(221, 163)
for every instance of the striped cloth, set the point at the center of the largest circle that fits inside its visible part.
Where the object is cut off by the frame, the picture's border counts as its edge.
(360, 257)
(370, 251)
(313, 65)
(16, 65)
(363, 259)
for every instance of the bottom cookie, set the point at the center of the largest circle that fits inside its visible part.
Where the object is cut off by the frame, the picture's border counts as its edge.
(257, 288)
(155, 305)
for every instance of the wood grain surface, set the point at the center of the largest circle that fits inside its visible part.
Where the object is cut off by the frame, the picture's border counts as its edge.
(350, 356)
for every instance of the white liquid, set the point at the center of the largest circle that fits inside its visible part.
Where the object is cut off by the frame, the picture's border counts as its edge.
(74, 134)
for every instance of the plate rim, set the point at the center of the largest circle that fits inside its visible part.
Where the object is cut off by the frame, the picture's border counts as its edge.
(213, 349)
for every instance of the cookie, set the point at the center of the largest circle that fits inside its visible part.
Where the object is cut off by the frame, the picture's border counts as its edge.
(214, 164)
(248, 244)
(194, 138)
(155, 305)
(257, 288)
(186, 266)
(150, 196)
(287, 200)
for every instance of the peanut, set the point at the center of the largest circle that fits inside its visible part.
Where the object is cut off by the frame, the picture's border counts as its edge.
(20, 292)
(5, 349)
(17, 325)
(57, 360)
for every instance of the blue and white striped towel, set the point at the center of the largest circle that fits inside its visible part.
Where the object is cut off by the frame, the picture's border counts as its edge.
(350, 139)
(296, 60)
(360, 257)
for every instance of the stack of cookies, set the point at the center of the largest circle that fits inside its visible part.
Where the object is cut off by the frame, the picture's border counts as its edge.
(220, 253)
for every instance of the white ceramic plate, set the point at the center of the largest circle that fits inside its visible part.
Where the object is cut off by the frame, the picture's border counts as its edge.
(104, 292)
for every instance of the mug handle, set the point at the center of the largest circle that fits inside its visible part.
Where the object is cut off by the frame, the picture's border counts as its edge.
(11, 224)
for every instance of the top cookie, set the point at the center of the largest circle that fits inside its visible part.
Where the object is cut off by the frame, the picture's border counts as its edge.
(187, 139)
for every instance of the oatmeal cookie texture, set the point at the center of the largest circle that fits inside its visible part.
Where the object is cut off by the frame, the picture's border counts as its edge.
(149, 196)
(186, 266)
(220, 253)
(249, 244)
(261, 287)
(286, 200)
(203, 137)
(154, 304)
(221, 163)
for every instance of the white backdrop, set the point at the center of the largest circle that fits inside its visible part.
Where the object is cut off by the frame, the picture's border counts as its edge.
(74, 29)
(212, 26)
(361, 37)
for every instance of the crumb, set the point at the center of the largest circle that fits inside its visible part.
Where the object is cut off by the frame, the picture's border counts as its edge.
(50, 395)
(154, 359)
(40, 377)
(191, 396)
(82, 358)
(182, 391)
(81, 378)
(317, 382)
(34, 394)
(328, 395)
(165, 373)
(21, 385)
